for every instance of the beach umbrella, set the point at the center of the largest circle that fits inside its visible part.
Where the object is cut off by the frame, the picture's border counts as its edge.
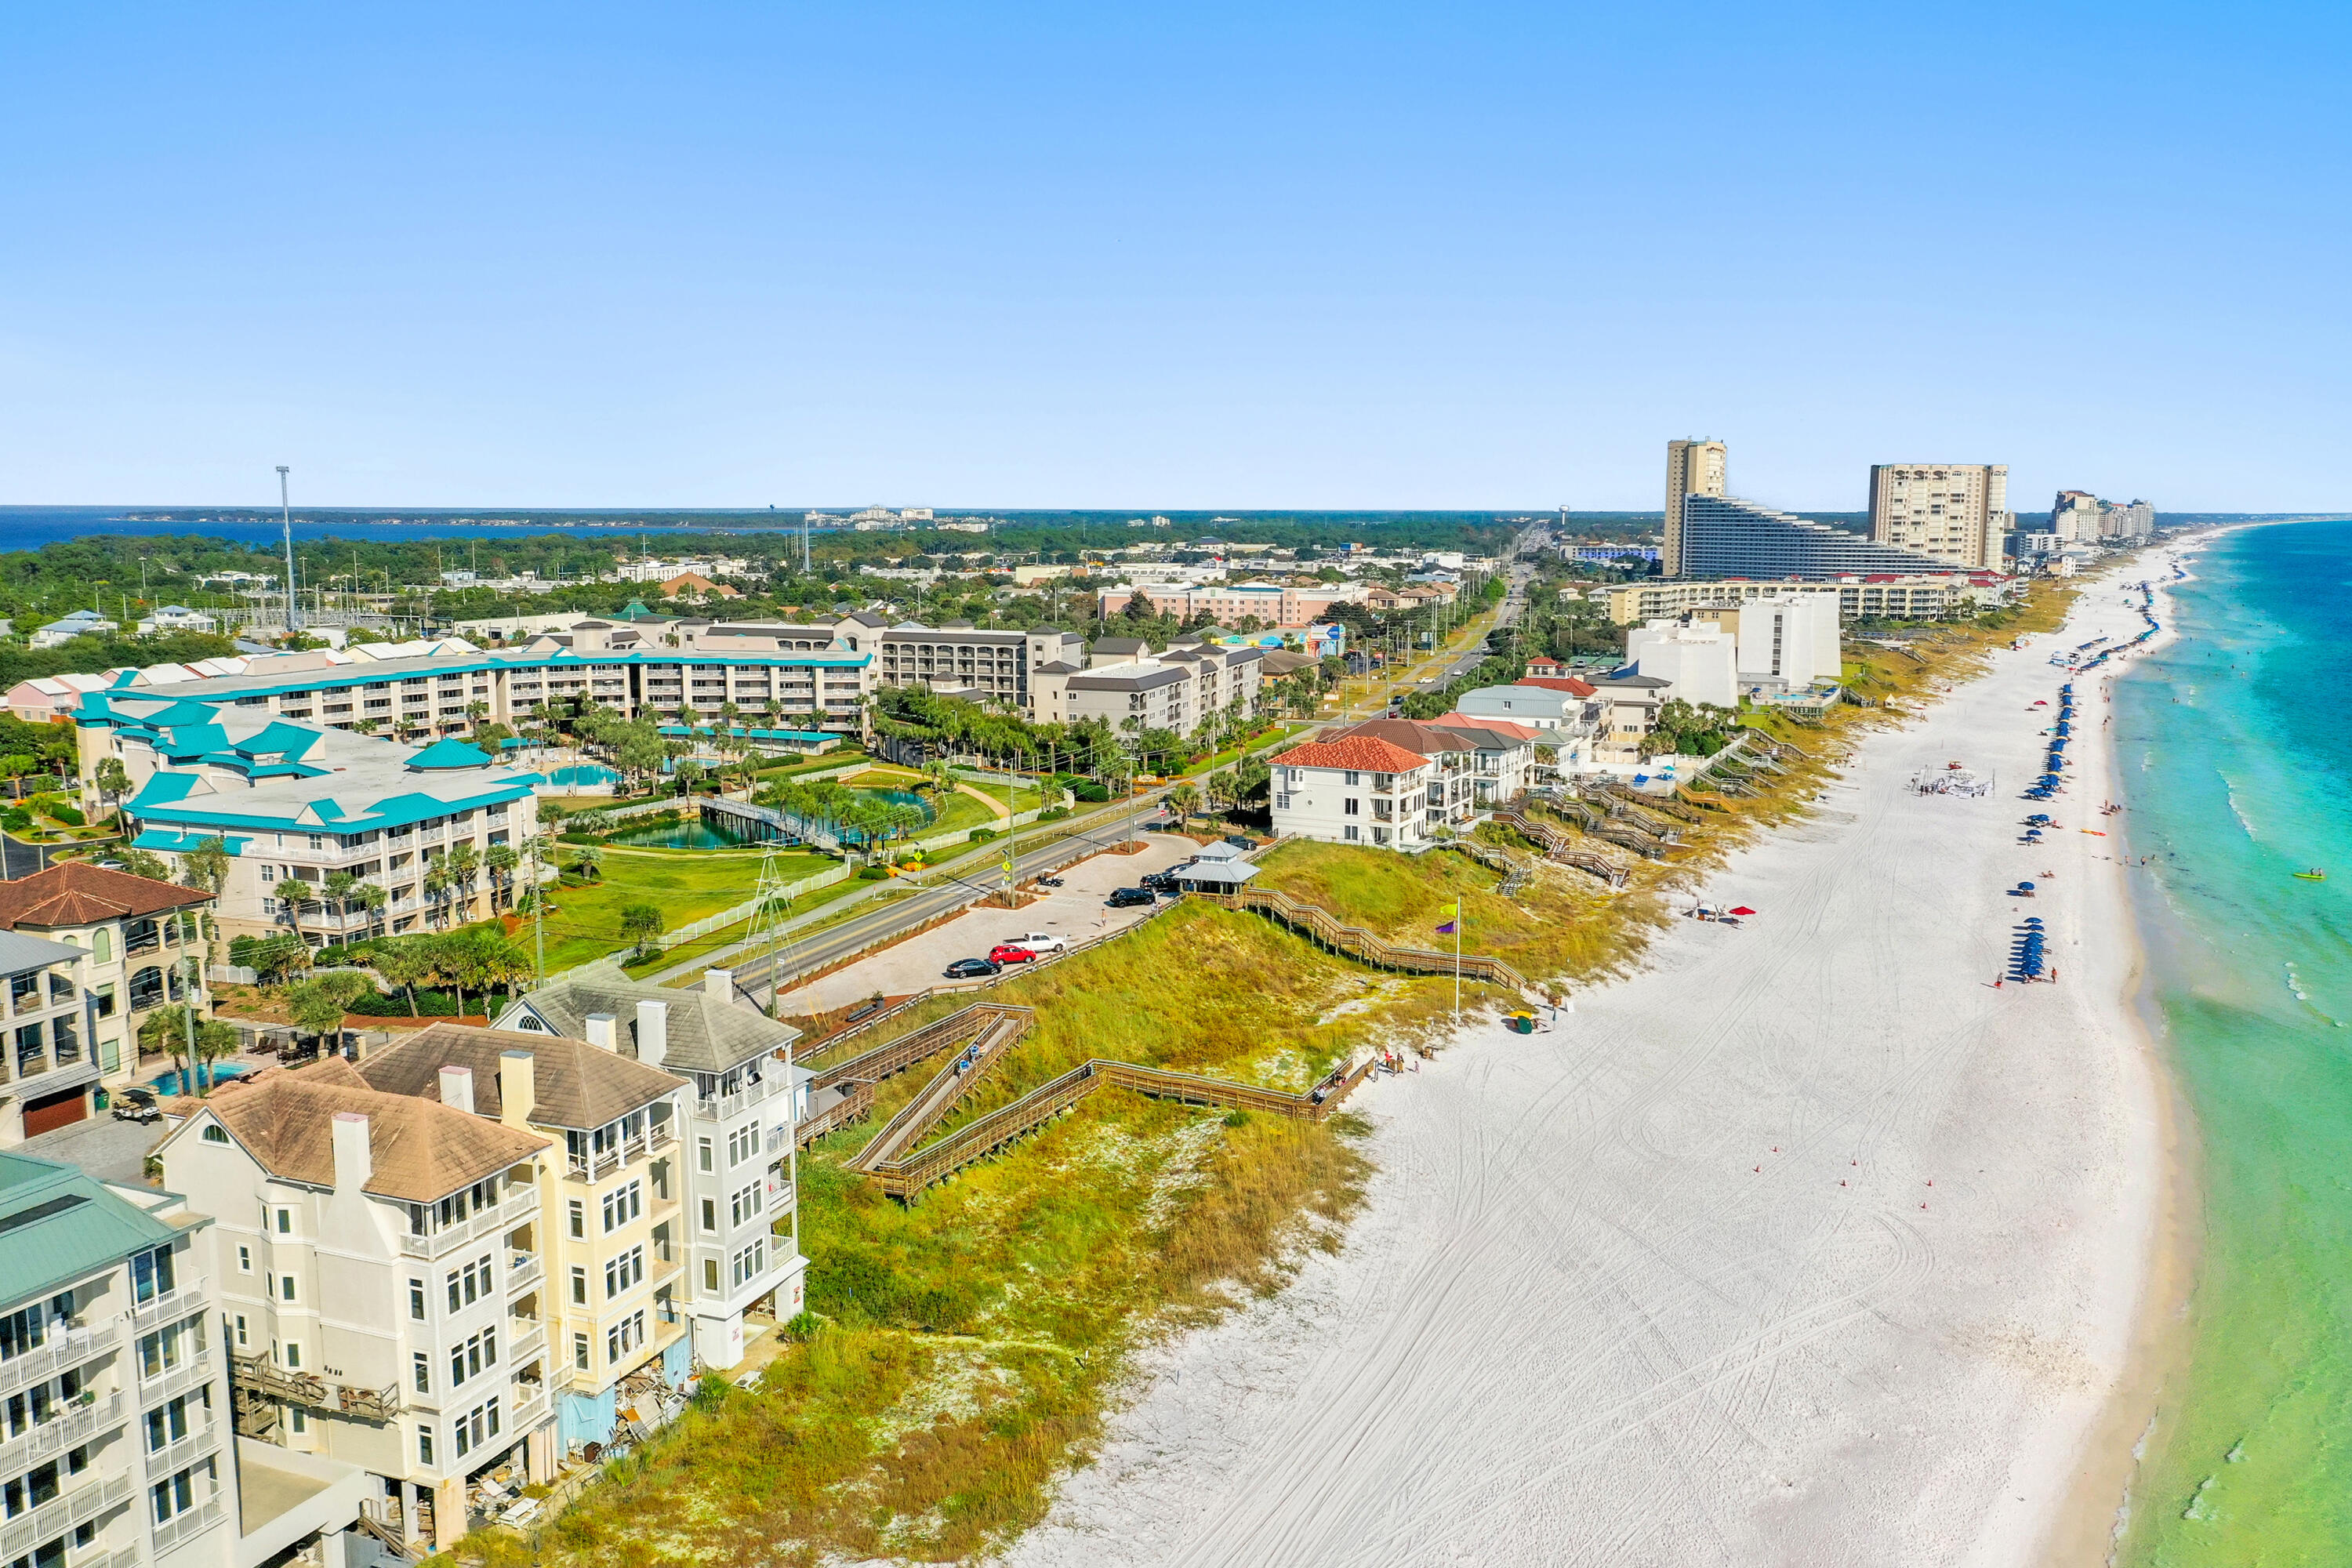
(2028, 886)
(1743, 909)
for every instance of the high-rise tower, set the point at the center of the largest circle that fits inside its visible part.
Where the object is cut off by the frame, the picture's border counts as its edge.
(1953, 511)
(1692, 469)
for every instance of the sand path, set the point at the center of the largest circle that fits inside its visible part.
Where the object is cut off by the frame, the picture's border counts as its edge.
(1806, 1246)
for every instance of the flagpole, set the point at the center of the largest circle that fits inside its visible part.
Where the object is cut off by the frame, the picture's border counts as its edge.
(1461, 913)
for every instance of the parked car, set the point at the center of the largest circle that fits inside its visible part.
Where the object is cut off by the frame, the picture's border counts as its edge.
(1128, 898)
(1155, 883)
(1238, 842)
(1002, 953)
(971, 969)
(1037, 941)
(135, 1104)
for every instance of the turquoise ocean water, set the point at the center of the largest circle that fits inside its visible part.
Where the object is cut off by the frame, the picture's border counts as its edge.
(2235, 757)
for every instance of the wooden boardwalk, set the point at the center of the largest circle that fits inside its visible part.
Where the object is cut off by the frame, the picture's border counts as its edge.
(1321, 926)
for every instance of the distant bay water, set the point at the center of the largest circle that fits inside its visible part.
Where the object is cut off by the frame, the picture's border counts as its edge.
(2233, 756)
(29, 528)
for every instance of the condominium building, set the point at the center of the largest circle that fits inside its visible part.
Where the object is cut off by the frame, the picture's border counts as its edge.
(739, 1241)
(1725, 537)
(1901, 595)
(293, 804)
(115, 1440)
(1700, 662)
(144, 947)
(1398, 784)
(380, 1278)
(1692, 469)
(1953, 512)
(1180, 690)
(611, 1239)
(48, 1068)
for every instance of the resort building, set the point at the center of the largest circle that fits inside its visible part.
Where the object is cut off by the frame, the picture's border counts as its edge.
(1182, 689)
(143, 947)
(1693, 468)
(295, 804)
(1699, 662)
(379, 1280)
(1904, 596)
(1724, 537)
(739, 1241)
(1955, 512)
(115, 1439)
(611, 1242)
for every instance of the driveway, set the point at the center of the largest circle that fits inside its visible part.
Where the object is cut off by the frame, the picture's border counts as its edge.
(1075, 912)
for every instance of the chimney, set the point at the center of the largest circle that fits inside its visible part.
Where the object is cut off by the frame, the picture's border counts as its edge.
(653, 1033)
(354, 1163)
(718, 983)
(518, 1087)
(458, 1088)
(600, 1031)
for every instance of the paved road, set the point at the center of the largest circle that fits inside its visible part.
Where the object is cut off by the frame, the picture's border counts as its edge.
(21, 860)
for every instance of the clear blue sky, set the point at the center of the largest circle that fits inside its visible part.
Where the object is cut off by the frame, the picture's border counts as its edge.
(1198, 255)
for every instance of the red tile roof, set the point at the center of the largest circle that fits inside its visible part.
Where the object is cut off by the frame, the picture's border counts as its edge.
(72, 894)
(1567, 683)
(1494, 726)
(1360, 752)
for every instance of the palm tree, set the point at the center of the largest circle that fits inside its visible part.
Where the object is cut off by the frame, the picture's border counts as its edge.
(372, 898)
(113, 780)
(404, 963)
(1183, 800)
(463, 861)
(334, 893)
(502, 858)
(437, 888)
(588, 859)
(293, 896)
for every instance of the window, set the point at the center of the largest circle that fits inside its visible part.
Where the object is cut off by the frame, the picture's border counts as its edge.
(710, 1216)
(624, 1270)
(167, 1424)
(579, 1287)
(298, 1420)
(420, 1369)
(579, 1220)
(469, 1360)
(1351, 832)
(742, 1144)
(625, 1336)
(745, 1203)
(168, 1346)
(425, 1445)
(285, 1286)
(1352, 806)
(285, 1222)
(710, 1275)
(215, 1133)
(415, 1299)
(243, 1258)
(748, 1262)
(702, 1153)
(1353, 778)
(580, 1352)
(475, 1427)
(177, 1494)
(294, 1355)
(150, 1275)
(471, 1284)
(243, 1340)
(622, 1205)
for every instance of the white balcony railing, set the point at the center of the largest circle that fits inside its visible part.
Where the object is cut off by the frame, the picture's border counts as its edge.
(516, 1208)
(61, 1513)
(184, 1300)
(71, 1426)
(64, 1348)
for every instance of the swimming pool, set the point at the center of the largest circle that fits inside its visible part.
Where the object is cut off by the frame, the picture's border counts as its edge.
(212, 1073)
(584, 774)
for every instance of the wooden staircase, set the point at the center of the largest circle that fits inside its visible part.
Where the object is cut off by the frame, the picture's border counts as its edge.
(1559, 848)
(999, 1027)
(1321, 927)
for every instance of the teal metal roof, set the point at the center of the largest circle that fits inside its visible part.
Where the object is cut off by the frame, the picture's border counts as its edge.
(196, 740)
(57, 1225)
(278, 738)
(180, 713)
(180, 843)
(164, 789)
(449, 752)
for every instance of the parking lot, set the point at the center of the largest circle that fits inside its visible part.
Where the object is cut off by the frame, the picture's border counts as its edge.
(1074, 912)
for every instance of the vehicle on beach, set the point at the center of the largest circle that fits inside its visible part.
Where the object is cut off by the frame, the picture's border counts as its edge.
(1001, 954)
(971, 969)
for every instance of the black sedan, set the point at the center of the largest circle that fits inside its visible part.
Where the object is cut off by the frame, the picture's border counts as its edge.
(971, 969)
(1128, 898)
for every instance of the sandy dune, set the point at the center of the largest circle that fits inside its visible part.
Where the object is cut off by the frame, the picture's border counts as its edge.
(1806, 1246)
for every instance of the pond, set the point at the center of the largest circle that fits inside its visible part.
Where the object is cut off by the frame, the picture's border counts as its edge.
(696, 833)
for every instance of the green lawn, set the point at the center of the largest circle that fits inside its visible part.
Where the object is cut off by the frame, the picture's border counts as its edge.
(683, 884)
(958, 812)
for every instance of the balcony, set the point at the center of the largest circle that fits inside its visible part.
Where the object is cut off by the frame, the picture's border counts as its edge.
(185, 1299)
(73, 1425)
(60, 1514)
(182, 1526)
(179, 1455)
(191, 1374)
(523, 1271)
(517, 1207)
(67, 1347)
(528, 1339)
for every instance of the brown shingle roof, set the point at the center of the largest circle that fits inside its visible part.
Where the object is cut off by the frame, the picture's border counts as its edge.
(573, 1084)
(73, 894)
(422, 1151)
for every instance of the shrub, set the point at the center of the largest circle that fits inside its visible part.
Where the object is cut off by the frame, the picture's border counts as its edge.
(15, 819)
(1089, 791)
(69, 815)
(429, 1005)
(1053, 814)
(874, 874)
(980, 836)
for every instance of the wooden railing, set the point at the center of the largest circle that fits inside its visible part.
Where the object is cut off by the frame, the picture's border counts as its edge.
(907, 1178)
(947, 1088)
(1558, 846)
(895, 1057)
(854, 1106)
(1321, 926)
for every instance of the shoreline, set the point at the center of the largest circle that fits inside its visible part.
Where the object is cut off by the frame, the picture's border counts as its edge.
(2090, 1524)
(1567, 1247)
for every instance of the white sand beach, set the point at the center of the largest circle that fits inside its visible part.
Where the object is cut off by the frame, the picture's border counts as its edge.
(1805, 1245)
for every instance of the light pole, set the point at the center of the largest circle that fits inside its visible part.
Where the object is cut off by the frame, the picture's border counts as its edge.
(285, 517)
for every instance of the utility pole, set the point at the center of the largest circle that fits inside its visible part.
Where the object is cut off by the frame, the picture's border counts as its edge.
(285, 517)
